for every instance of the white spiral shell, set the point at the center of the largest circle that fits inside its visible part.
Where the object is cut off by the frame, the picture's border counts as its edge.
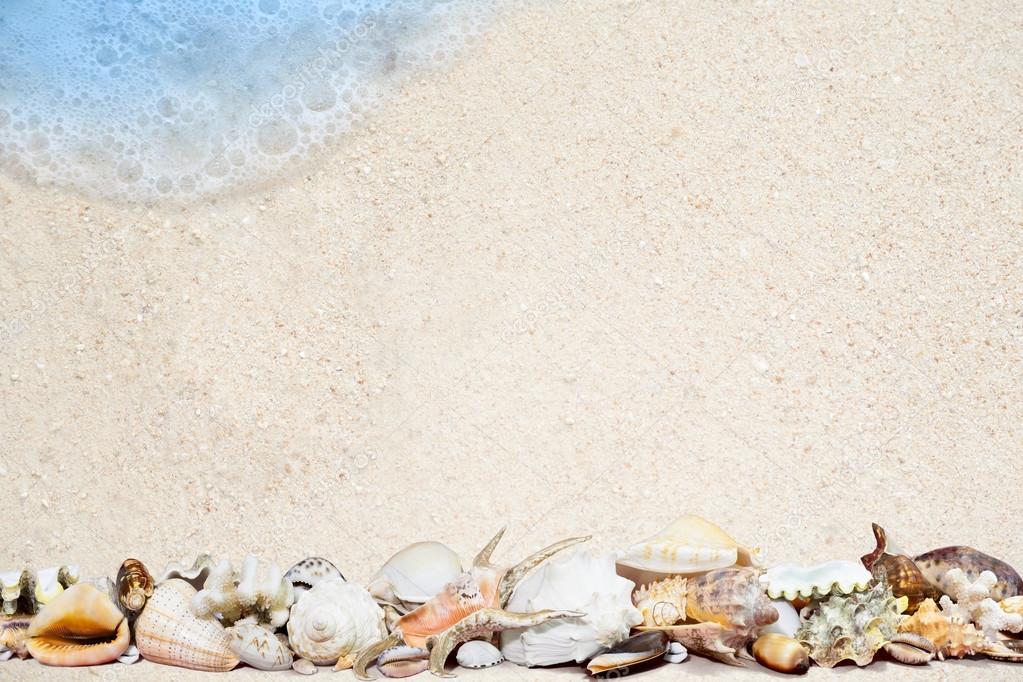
(334, 620)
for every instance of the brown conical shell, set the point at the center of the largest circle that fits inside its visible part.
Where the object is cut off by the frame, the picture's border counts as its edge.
(168, 632)
(134, 585)
(899, 571)
(81, 626)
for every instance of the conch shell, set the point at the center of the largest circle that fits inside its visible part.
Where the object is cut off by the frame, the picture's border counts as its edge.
(792, 582)
(938, 562)
(134, 585)
(333, 621)
(899, 571)
(81, 626)
(662, 602)
(732, 598)
(169, 632)
(689, 544)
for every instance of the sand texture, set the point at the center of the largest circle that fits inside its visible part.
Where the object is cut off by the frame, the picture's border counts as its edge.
(761, 263)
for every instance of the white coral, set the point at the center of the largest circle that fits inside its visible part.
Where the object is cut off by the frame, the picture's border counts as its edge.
(971, 603)
(258, 593)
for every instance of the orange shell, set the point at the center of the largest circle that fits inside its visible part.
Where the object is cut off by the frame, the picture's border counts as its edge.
(81, 626)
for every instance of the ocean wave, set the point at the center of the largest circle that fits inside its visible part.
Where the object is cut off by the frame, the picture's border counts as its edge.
(144, 99)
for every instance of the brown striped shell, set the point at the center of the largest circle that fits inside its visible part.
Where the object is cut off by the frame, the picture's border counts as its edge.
(731, 597)
(134, 585)
(899, 571)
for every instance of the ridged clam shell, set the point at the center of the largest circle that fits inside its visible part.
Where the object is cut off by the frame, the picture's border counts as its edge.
(689, 544)
(781, 654)
(258, 647)
(477, 654)
(81, 626)
(333, 621)
(791, 581)
(168, 632)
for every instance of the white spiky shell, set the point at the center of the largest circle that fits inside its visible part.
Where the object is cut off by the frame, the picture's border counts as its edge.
(334, 620)
(690, 544)
(169, 632)
(584, 582)
(416, 573)
(260, 648)
(791, 581)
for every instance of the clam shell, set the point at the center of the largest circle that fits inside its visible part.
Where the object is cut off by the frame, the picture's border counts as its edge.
(333, 621)
(732, 598)
(416, 573)
(169, 632)
(81, 626)
(936, 563)
(791, 581)
(637, 649)
(403, 661)
(311, 570)
(690, 544)
(477, 654)
(781, 654)
(260, 648)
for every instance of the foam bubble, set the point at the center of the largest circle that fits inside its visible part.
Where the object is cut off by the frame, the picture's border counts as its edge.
(170, 98)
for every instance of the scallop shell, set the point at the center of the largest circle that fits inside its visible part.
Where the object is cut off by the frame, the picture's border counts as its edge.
(134, 585)
(260, 648)
(583, 582)
(403, 661)
(936, 563)
(169, 632)
(81, 626)
(333, 621)
(852, 627)
(195, 575)
(791, 582)
(781, 654)
(689, 545)
(899, 571)
(731, 597)
(416, 574)
(662, 602)
(477, 654)
(636, 650)
(311, 570)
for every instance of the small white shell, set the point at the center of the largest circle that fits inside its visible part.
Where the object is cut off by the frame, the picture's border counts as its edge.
(416, 573)
(791, 581)
(130, 655)
(304, 667)
(256, 646)
(478, 654)
(333, 621)
(676, 653)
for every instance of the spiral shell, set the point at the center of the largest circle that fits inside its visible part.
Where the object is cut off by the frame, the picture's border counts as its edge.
(134, 585)
(333, 621)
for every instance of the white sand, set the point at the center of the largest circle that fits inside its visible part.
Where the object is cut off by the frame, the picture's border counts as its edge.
(630, 260)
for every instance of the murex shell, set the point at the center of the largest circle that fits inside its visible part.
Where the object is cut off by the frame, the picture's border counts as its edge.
(690, 544)
(81, 626)
(938, 562)
(169, 632)
(731, 597)
(899, 571)
(311, 570)
(26, 591)
(260, 648)
(256, 593)
(662, 602)
(851, 627)
(583, 582)
(477, 654)
(791, 581)
(333, 621)
(416, 573)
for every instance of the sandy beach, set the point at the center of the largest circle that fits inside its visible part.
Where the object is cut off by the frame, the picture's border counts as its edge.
(623, 261)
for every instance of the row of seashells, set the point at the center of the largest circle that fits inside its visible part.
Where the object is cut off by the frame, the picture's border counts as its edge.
(689, 589)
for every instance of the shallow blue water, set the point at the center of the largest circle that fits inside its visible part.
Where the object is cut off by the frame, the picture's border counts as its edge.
(151, 98)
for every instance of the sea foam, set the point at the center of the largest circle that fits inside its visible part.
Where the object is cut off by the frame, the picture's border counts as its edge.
(180, 98)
